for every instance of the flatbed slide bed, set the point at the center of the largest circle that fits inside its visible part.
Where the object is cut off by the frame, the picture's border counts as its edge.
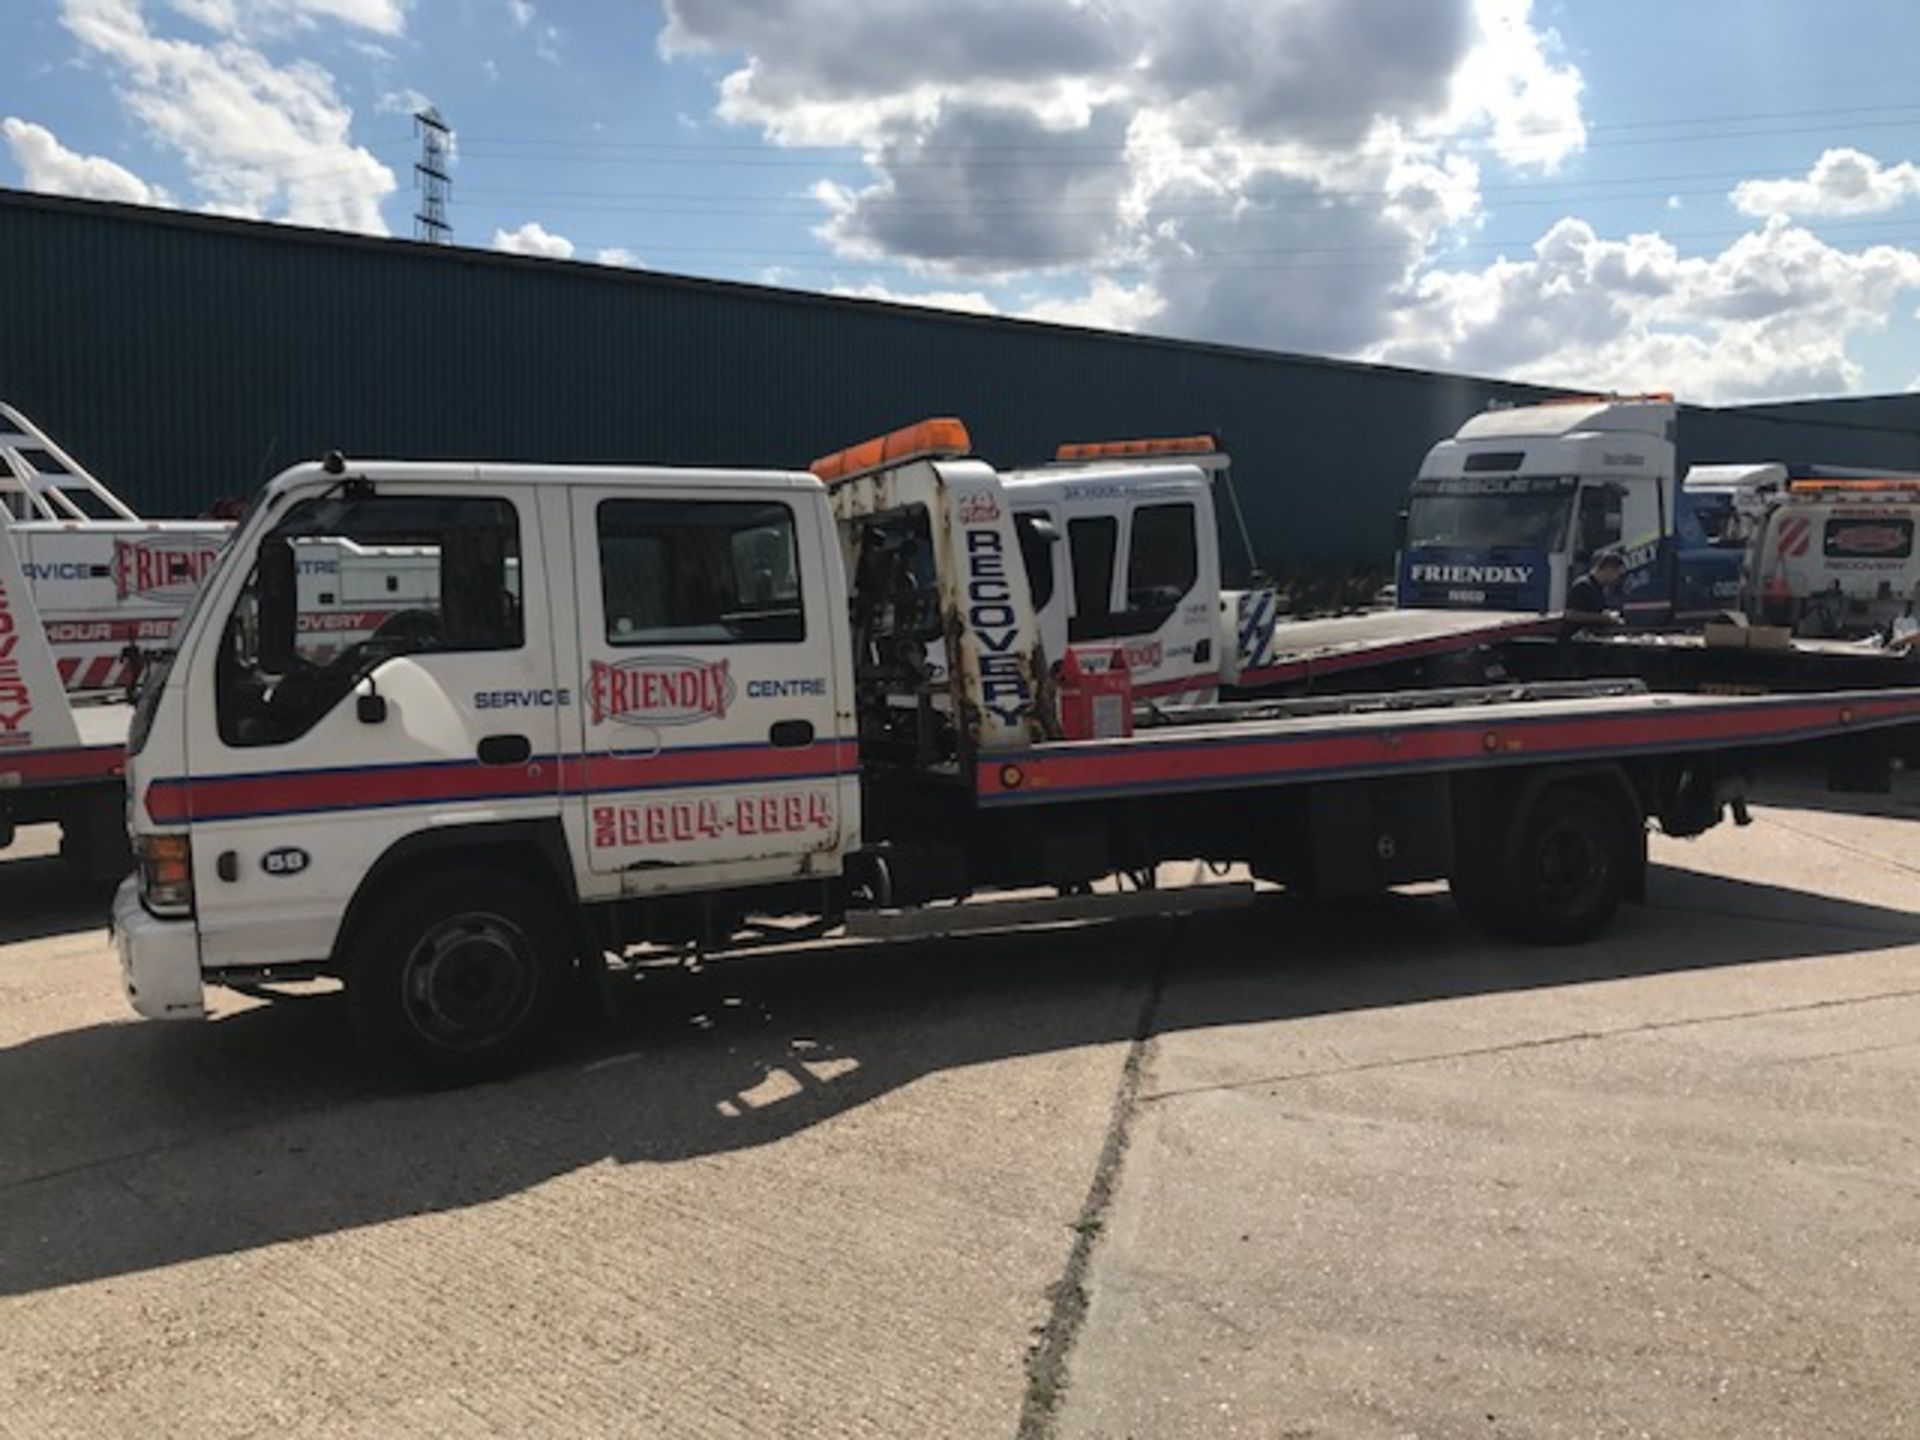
(1336, 647)
(1366, 742)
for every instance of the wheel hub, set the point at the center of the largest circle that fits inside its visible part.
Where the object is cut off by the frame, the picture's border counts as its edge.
(469, 981)
(1571, 867)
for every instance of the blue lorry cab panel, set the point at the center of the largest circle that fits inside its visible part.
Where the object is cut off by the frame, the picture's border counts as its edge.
(1449, 578)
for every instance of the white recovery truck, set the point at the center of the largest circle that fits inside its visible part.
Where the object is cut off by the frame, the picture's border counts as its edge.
(88, 590)
(1830, 555)
(647, 706)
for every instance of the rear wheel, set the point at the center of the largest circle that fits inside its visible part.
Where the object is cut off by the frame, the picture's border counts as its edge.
(1558, 875)
(458, 977)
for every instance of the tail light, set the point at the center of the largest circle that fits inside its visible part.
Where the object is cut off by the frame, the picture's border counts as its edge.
(166, 873)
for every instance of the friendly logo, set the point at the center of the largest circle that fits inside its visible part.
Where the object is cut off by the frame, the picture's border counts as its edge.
(166, 567)
(659, 690)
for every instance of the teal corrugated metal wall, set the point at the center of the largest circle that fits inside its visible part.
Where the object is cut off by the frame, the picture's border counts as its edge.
(186, 358)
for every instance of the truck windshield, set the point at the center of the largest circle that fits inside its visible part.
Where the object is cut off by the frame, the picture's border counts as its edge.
(1525, 513)
(1710, 518)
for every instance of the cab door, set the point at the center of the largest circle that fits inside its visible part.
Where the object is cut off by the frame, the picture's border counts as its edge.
(1150, 589)
(307, 760)
(711, 748)
(1625, 515)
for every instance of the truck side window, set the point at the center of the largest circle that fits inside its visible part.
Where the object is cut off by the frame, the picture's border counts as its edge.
(1163, 562)
(1163, 558)
(1091, 542)
(699, 572)
(1036, 551)
(315, 617)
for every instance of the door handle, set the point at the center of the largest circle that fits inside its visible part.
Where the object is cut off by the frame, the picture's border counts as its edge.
(791, 734)
(505, 750)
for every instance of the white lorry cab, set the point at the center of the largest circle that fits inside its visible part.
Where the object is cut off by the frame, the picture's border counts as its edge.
(664, 708)
(1122, 552)
(1511, 509)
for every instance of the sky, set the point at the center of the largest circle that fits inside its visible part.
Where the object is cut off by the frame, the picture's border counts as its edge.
(1719, 198)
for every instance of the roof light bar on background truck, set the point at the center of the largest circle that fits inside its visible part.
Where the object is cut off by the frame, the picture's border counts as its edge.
(648, 704)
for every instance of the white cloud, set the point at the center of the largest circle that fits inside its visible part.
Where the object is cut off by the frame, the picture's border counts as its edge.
(1107, 305)
(617, 255)
(48, 166)
(1770, 315)
(258, 138)
(259, 18)
(1842, 182)
(971, 302)
(522, 11)
(1510, 80)
(1289, 174)
(533, 238)
(1207, 143)
(404, 101)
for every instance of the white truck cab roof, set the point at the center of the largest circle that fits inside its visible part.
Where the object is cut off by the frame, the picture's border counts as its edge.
(1645, 415)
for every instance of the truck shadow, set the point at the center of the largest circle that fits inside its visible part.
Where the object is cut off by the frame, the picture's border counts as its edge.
(129, 1146)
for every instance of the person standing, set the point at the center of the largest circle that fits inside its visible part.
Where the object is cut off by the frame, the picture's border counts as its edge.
(1587, 596)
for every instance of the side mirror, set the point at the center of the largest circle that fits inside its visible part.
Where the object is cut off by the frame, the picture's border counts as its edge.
(277, 606)
(370, 705)
(1038, 526)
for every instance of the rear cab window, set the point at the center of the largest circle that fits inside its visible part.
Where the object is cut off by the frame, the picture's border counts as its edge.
(699, 572)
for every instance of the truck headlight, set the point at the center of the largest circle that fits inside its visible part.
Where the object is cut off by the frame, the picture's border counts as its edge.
(166, 873)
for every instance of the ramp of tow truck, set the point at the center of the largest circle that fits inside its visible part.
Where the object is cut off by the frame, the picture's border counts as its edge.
(1783, 663)
(1346, 645)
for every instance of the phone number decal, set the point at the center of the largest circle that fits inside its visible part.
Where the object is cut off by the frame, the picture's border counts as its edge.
(669, 822)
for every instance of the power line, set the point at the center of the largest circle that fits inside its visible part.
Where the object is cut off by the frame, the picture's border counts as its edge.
(1063, 156)
(1309, 203)
(1307, 127)
(1393, 255)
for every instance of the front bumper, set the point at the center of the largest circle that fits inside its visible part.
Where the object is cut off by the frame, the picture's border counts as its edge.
(159, 959)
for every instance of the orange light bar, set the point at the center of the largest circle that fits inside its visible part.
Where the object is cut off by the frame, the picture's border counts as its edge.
(944, 438)
(1859, 485)
(1124, 449)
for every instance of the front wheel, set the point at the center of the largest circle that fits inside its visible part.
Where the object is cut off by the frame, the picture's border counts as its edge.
(457, 977)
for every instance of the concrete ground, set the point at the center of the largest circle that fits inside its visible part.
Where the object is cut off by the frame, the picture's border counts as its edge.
(1348, 1171)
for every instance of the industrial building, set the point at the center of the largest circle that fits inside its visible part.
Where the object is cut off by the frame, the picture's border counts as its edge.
(186, 358)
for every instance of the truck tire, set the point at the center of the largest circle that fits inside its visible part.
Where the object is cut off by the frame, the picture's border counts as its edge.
(458, 977)
(1559, 874)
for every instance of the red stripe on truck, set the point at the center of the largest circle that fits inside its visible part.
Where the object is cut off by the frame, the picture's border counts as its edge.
(1087, 768)
(62, 767)
(235, 797)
